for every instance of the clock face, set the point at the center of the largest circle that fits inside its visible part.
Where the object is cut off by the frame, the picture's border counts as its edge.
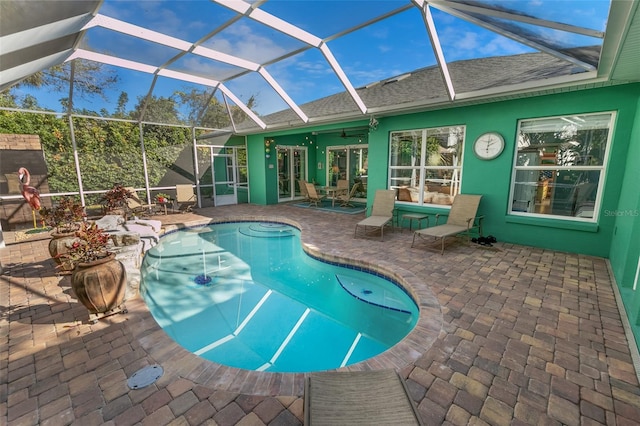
(488, 146)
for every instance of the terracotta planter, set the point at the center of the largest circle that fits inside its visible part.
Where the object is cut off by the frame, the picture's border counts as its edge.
(100, 285)
(58, 245)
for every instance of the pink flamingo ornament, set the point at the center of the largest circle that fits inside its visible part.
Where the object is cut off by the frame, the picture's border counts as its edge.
(30, 194)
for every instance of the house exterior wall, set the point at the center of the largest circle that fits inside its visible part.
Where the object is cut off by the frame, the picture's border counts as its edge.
(625, 241)
(624, 253)
(492, 178)
(263, 178)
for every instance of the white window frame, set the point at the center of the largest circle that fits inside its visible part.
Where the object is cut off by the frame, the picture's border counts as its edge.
(572, 122)
(456, 171)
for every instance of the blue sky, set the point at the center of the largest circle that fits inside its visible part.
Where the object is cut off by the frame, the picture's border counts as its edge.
(388, 48)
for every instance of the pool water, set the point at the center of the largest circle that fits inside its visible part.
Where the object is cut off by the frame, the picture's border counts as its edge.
(246, 295)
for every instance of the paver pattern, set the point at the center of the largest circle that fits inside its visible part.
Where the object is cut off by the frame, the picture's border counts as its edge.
(525, 336)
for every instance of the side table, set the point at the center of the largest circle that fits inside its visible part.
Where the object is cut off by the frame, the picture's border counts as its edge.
(414, 216)
(164, 205)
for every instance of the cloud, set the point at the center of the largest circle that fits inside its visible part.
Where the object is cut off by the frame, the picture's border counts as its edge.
(241, 41)
(314, 68)
(501, 46)
(206, 68)
(468, 42)
(379, 32)
(155, 15)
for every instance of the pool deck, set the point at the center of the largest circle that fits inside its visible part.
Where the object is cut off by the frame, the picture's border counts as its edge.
(508, 335)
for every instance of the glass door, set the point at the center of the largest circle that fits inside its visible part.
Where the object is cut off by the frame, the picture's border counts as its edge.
(221, 171)
(292, 166)
(350, 162)
(359, 169)
(224, 177)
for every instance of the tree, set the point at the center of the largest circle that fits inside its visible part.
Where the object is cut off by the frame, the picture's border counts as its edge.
(156, 109)
(206, 111)
(90, 78)
(122, 104)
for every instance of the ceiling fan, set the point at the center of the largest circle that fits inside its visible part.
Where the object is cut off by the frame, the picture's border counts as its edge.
(344, 135)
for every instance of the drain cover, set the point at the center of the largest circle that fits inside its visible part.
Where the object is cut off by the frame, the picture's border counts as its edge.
(145, 376)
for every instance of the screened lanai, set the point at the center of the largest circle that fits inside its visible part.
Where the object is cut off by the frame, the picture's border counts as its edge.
(237, 99)
(136, 85)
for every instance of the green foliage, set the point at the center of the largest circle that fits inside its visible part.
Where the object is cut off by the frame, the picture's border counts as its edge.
(161, 197)
(110, 152)
(64, 216)
(156, 110)
(116, 197)
(91, 244)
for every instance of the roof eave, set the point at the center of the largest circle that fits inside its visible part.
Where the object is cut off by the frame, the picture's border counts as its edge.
(514, 91)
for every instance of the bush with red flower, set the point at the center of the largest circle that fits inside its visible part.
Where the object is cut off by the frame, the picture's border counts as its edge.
(65, 216)
(116, 198)
(163, 198)
(91, 244)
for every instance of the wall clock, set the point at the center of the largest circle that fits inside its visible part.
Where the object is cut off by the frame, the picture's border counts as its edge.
(488, 145)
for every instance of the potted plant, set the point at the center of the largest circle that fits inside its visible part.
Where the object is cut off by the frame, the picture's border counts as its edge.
(98, 280)
(162, 198)
(116, 199)
(64, 218)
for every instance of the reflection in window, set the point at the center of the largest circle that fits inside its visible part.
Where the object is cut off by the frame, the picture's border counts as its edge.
(559, 165)
(424, 164)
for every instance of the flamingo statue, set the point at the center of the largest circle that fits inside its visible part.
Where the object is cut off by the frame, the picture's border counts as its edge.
(31, 194)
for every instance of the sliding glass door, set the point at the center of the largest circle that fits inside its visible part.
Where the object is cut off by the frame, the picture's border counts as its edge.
(292, 166)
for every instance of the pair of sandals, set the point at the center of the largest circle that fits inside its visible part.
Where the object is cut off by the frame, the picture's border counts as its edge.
(485, 241)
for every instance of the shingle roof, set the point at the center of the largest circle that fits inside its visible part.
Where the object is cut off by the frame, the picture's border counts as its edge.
(425, 87)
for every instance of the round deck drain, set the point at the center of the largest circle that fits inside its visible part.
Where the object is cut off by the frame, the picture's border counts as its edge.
(145, 376)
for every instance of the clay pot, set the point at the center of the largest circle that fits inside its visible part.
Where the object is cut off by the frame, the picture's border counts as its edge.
(100, 285)
(59, 245)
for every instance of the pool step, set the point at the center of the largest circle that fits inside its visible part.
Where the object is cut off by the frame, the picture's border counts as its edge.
(371, 293)
(267, 230)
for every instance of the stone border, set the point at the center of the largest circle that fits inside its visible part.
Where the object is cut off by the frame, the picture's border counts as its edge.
(182, 363)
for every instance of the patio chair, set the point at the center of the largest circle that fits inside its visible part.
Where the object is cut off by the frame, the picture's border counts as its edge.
(378, 397)
(343, 186)
(303, 189)
(314, 198)
(135, 205)
(381, 212)
(462, 218)
(185, 197)
(345, 199)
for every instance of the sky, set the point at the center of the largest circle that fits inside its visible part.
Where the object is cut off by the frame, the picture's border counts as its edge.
(396, 45)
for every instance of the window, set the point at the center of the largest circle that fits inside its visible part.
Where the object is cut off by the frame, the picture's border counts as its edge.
(560, 164)
(425, 164)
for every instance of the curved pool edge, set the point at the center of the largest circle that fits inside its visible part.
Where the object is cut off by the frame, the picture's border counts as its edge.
(182, 363)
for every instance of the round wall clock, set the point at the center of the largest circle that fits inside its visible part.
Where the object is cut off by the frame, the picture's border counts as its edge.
(488, 146)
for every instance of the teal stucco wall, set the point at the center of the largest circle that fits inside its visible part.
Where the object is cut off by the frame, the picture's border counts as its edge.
(624, 254)
(492, 178)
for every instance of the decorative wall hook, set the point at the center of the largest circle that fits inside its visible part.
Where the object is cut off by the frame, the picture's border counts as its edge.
(373, 124)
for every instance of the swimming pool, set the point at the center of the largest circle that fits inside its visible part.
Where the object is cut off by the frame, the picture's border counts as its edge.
(246, 295)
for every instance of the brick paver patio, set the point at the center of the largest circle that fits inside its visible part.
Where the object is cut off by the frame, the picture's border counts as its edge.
(517, 335)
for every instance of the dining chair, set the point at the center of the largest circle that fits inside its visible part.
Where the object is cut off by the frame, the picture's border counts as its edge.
(314, 198)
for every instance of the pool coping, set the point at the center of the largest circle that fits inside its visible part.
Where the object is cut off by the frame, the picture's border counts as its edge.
(182, 363)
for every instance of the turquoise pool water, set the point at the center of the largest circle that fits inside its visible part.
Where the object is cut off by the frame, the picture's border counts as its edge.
(246, 295)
